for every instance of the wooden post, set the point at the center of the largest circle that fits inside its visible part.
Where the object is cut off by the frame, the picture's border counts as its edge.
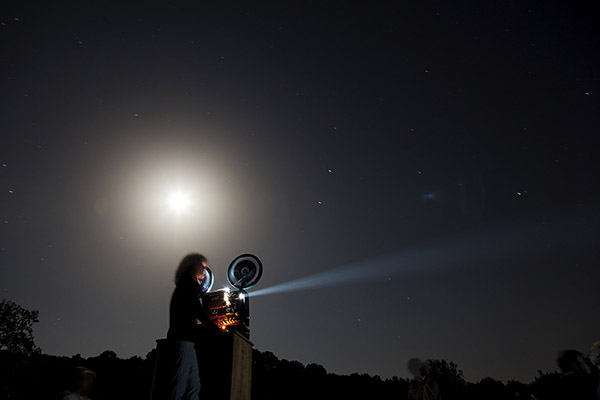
(225, 364)
(241, 368)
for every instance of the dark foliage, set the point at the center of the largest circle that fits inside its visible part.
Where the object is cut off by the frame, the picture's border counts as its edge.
(273, 378)
(43, 376)
(16, 328)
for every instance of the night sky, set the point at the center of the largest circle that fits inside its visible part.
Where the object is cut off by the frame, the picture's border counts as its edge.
(430, 168)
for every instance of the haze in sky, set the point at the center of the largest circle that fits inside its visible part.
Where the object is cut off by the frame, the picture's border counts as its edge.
(419, 179)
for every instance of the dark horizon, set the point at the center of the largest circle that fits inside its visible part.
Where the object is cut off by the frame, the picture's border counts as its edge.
(135, 378)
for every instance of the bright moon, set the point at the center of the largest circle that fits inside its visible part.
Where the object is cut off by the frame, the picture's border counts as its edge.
(179, 202)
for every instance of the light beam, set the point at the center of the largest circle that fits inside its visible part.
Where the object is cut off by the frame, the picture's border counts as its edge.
(468, 250)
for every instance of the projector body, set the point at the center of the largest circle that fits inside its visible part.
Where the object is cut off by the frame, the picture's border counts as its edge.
(229, 308)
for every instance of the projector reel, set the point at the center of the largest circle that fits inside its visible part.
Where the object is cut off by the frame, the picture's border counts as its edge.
(244, 271)
(207, 282)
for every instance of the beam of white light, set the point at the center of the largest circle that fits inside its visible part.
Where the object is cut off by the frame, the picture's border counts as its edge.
(466, 250)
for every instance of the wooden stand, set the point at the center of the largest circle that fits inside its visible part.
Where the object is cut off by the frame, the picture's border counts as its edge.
(225, 364)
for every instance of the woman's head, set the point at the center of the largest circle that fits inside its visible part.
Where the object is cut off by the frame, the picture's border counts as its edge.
(193, 265)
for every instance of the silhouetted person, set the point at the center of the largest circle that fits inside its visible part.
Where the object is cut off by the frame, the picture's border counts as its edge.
(578, 380)
(188, 325)
(81, 382)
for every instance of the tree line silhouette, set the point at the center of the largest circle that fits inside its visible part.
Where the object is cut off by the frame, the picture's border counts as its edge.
(24, 376)
(27, 373)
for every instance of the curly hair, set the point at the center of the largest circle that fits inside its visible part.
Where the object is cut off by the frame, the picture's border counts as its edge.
(187, 266)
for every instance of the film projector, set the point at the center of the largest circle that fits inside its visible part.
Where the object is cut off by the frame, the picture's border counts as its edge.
(229, 308)
(228, 375)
